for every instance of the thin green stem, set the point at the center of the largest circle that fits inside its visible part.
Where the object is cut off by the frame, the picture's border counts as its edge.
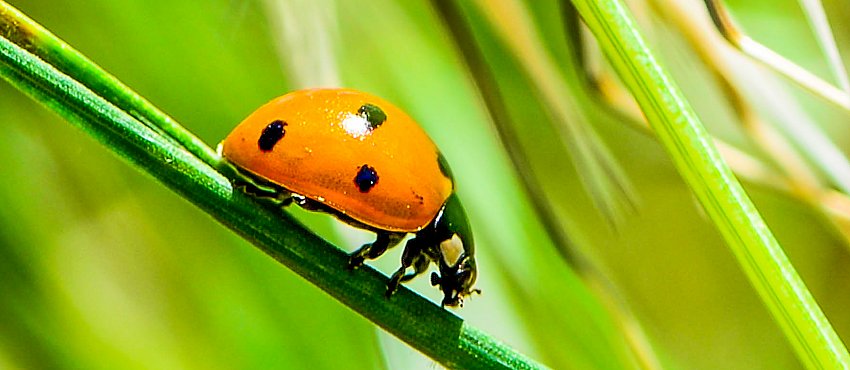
(31, 36)
(698, 161)
(425, 326)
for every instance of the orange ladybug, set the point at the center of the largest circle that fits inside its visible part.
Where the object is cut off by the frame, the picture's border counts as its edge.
(364, 160)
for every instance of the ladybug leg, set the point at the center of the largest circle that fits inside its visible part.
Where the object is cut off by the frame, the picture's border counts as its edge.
(276, 196)
(414, 256)
(384, 241)
(420, 265)
(255, 187)
(419, 262)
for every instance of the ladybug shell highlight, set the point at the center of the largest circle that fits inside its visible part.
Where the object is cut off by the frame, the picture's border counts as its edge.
(354, 152)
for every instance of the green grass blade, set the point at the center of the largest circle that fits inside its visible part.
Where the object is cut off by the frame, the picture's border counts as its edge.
(698, 161)
(422, 324)
(604, 180)
(461, 32)
(28, 34)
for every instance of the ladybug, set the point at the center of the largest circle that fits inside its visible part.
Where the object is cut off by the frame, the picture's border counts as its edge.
(365, 161)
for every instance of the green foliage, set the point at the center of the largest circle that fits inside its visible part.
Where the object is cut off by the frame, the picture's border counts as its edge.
(595, 256)
(422, 324)
(710, 178)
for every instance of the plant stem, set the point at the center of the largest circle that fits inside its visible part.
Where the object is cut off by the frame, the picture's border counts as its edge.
(698, 161)
(425, 326)
(31, 36)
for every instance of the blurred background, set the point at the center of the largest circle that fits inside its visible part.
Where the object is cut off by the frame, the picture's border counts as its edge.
(593, 254)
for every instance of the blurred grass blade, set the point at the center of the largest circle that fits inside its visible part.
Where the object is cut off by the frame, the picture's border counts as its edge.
(600, 173)
(820, 25)
(800, 128)
(495, 103)
(464, 40)
(682, 134)
(799, 179)
(24, 32)
(765, 55)
(812, 142)
(305, 33)
(417, 321)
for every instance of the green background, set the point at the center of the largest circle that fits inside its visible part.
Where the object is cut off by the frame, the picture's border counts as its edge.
(103, 267)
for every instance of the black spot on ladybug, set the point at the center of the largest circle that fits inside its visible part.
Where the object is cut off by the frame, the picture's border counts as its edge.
(373, 114)
(271, 135)
(366, 178)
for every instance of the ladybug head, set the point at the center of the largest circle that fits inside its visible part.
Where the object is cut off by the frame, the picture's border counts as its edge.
(456, 251)
(456, 281)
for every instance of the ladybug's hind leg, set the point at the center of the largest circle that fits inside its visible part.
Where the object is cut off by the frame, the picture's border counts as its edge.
(385, 240)
(254, 186)
(277, 196)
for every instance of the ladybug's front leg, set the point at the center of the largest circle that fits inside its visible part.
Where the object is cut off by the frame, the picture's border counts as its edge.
(385, 240)
(413, 256)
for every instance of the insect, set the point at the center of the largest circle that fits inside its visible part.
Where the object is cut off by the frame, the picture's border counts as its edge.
(363, 160)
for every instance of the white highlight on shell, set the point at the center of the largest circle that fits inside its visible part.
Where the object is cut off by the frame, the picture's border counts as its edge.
(356, 125)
